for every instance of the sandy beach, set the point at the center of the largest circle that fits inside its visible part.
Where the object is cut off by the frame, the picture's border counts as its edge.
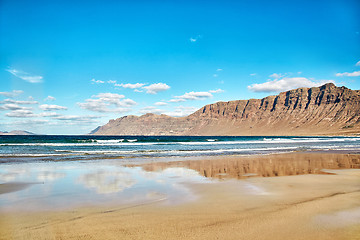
(280, 196)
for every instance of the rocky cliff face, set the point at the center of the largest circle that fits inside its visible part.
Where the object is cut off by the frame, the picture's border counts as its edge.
(324, 110)
(148, 124)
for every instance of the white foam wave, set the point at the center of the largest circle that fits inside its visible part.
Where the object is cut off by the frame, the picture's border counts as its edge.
(232, 150)
(201, 151)
(132, 142)
(35, 154)
(274, 141)
(109, 141)
(81, 144)
(156, 152)
(104, 152)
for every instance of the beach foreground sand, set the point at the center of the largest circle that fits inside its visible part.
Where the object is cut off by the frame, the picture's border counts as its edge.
(309, 206)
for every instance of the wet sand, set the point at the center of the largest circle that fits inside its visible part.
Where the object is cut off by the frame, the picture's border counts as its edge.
(272, 165)
(299, 196)
(13, 187)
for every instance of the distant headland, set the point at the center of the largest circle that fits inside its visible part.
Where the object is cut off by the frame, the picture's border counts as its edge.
(17, 132)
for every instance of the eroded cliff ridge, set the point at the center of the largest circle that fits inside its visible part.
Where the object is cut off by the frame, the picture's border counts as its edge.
(325, 110)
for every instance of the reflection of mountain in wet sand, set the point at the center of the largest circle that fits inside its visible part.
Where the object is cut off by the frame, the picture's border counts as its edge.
(264, 166)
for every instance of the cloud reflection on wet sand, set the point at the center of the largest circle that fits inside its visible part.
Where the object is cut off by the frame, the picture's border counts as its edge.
(107, 181)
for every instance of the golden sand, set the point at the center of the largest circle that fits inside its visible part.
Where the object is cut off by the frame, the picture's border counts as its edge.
(311, 206)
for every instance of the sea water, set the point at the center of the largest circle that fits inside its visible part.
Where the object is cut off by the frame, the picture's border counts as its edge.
(70, 148)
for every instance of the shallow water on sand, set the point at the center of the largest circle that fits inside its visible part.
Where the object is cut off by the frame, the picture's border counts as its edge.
(51, 186)
(65, 185)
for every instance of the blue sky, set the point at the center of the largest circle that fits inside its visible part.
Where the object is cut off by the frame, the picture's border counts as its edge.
(67, 67)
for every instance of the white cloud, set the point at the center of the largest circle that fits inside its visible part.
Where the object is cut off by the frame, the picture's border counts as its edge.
(19, 102)
(152, 89)
(357, 64)
(25, 76)
(12, 94)
(26, 122)
(32, 121)
(49, 114)
(181, 111)
(177, 100)
(284, 84)
(69, 119)
(347, 74)
(156, 87)
(252, 74)
(194, 96)
(95, 105)
(195, 39)
(50, 98)
(130, 85)
(58, 119)
(127, 102)
(111, 81)
(160, 103)
(47, 107)
(108, 102)
(109, 97)
(150, 109)
(13, 106)
(87, 119)
(277, 75)
(21, 114)
(93, 81)
(216, 91)
(217, 74)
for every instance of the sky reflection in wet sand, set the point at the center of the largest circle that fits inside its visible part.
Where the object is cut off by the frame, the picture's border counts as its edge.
(64, 185)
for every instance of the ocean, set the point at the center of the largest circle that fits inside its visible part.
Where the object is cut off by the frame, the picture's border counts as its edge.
(72, 148)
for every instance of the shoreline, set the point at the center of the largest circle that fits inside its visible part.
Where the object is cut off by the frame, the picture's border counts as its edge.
(39, 159)
(160, 163)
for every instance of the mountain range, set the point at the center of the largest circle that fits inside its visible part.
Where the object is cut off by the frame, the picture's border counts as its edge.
(324, 110)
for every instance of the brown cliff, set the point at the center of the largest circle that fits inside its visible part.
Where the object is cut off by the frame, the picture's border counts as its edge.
(325, 110)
